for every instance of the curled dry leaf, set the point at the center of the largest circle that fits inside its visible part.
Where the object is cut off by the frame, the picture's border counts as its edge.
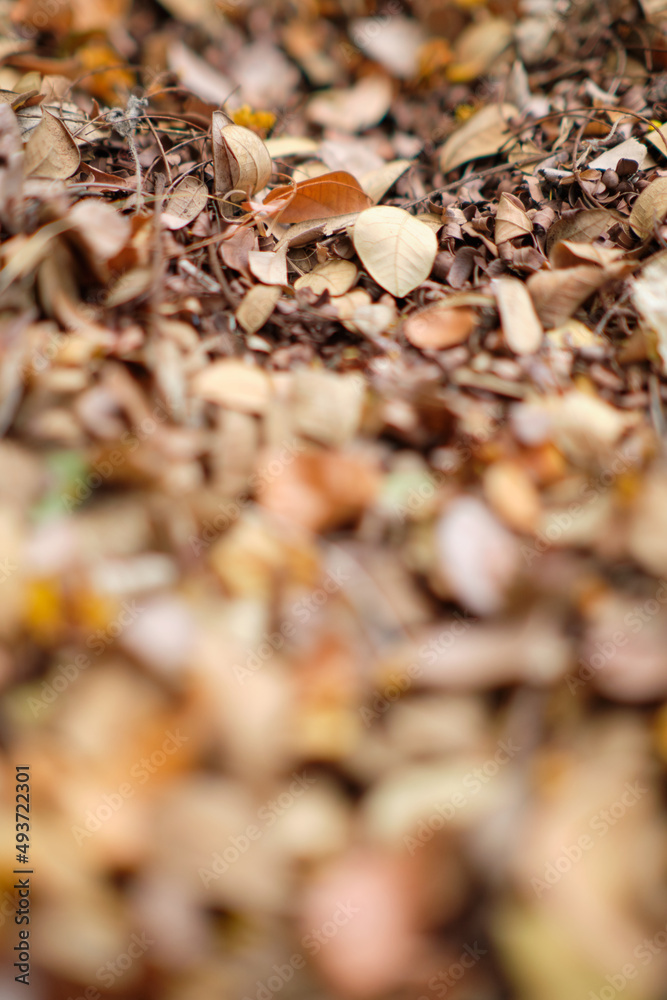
(241, 161)
(331, 194)
(440, 326)
(650, 208)
(485, 134)
(51, 152)
(522, 329)
(396, 248)
(334, 276)
(511, 219)
(185, 202)
(257, 306)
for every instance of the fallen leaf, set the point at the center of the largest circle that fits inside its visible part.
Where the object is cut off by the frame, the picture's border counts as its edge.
(334, 276)
(512, 220)
(337, 193)
(257, 306)
(268, 266)
(558, 294)
(354, 109)
(631, 149)
(583, 226)
(477, 48)
(649, 295)
(394, 43)
(397, 250)
(184, 203)
(440, 326)
(522, 329)
(241, 160)
(650, 208)
(478, 556)
(485, 134)
(377, 182)
(233, 384)
(50, 151)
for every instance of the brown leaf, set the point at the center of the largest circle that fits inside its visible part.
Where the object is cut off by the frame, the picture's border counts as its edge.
(257, 306)
(337, 193)
(334, 276)
(558, 294)
(485, 134)
(440, 326)
(51, 152)
(186, 200)
(580, 227)
(511, 219)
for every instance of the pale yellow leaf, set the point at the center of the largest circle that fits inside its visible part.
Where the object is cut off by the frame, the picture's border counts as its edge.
(650, 208)
(482, 135)
(377, 182)
(397, 249)
(241, 160)
(257, 306)
(186, 201)
(334, 276)
(233, 384)
(522, 329)
(268, 266)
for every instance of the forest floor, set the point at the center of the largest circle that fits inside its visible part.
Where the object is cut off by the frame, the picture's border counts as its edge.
(333, 499)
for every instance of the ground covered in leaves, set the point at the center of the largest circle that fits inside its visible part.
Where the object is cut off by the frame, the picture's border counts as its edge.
(333, 499)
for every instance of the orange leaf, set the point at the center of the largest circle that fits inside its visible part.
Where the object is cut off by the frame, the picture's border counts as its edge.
(337, 193)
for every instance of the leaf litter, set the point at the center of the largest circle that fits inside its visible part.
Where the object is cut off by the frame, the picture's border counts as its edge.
(332, 488)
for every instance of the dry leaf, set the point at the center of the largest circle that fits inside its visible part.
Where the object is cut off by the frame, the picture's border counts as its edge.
(334, 276)
(440, 326)
(649, 294)
(655, 138)
(257, 306)
(233, 384)
(395, 45)
(397, 250)
(477, 48)
(241, 160)
(580, 227)
(631, 149)
(268, 267)
(485, 134)
(567, 253)
(186, 200)
(511, 219)
(650, 208)
(354, 109)
(558, 294)
(377, 182)
(477, 555)
(337, 193)
(51, 152)
(522, 329)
